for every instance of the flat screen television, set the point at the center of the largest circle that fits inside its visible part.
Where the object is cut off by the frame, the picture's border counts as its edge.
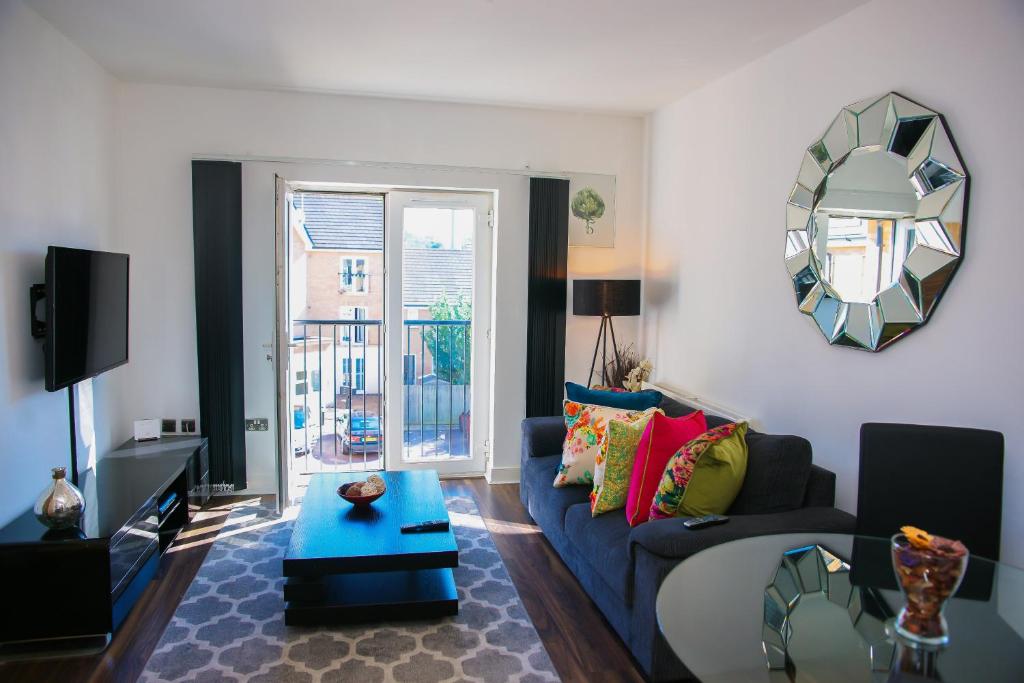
(86, 314)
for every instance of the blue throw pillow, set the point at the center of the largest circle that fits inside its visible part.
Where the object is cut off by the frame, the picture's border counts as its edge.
(627, 400)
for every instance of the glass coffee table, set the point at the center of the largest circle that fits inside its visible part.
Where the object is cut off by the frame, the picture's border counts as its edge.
(815, 607)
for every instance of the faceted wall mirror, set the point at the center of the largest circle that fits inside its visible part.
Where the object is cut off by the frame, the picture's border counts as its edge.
(875, 223)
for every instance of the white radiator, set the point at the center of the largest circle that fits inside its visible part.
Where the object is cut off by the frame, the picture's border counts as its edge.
(702, 403)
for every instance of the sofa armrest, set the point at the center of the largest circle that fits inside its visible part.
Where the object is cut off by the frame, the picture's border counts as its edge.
(669, 538)
(821, 488)
(543, 436)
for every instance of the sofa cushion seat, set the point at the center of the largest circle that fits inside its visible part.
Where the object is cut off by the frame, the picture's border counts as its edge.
(669, 538)
(552, 503)
(602, 542)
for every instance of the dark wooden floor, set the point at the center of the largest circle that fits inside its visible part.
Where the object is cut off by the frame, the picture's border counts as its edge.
(582, 646)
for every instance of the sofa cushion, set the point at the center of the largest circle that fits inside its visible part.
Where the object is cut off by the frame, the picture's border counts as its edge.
(674, 408)
(543, 436)
(615, 466)
(704, 476)
(603, 544)
(630, 400)
(586, 427)
(671, 538)
(548, 504)
(662, 438)
(778, 468)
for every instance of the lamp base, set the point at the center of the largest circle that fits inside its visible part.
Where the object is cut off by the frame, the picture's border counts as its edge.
(602, 343)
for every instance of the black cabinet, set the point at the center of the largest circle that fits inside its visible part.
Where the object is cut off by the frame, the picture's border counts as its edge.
(198, 479)
(79, 585)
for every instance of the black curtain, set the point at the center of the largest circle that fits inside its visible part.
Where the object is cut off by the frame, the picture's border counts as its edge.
(545, 322)
(217, 240)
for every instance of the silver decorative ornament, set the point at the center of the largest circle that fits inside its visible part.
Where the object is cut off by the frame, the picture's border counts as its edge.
(61, 504)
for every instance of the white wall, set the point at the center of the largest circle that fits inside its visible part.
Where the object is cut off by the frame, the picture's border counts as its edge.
(160, 129)
(722, 319)
(55, 167)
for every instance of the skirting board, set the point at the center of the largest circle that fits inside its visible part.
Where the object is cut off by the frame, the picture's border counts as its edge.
(701, 403)
(503, 475)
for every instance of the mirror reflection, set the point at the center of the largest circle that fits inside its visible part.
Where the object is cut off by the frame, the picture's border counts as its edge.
(864, 225)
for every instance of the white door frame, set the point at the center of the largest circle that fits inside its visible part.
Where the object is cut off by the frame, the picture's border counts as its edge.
(289, 175)
(282, 339)
(480, 369)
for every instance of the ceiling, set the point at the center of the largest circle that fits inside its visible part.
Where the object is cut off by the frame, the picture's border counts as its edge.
(604, 55)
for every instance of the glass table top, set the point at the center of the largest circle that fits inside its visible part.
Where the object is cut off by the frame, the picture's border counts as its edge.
(731, 614)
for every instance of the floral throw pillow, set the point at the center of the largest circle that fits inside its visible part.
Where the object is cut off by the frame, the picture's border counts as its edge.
(586, 427)
(704, 476)
(614, 466)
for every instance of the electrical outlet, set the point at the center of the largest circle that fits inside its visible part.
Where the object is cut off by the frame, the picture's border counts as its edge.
(168, 426)
(258, 424)
(188, 425)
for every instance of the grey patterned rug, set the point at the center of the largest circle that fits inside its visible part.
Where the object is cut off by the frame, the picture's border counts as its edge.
(230, 624)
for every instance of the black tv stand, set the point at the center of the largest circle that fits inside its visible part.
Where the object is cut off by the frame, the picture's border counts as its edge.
(67, 592)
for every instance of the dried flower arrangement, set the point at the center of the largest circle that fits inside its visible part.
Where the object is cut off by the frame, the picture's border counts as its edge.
(630, 372)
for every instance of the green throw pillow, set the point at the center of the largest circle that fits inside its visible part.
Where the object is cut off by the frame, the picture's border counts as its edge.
(615, 463)
(704, 476)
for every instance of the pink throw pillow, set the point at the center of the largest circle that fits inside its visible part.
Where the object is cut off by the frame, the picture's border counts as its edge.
(662, 438)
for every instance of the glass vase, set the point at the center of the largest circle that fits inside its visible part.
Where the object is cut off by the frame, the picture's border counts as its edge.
(927, 579)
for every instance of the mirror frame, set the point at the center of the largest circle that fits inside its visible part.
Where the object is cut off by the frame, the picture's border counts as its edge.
(940, 182)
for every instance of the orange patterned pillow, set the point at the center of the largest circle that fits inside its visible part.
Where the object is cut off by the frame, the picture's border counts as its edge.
(586, 429)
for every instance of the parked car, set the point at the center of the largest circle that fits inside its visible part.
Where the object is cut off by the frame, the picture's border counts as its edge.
(361, 433)
(304, 420)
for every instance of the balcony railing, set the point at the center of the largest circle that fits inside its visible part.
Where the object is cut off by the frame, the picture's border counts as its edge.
(337, 373)
(337, 392)
(436, 388)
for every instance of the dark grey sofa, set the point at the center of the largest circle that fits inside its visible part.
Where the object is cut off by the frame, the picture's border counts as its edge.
(621, 568)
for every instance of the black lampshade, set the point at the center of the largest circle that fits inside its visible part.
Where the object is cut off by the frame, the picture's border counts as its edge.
(606, 297)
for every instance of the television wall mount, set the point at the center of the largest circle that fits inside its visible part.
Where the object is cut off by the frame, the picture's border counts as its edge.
(37, 293)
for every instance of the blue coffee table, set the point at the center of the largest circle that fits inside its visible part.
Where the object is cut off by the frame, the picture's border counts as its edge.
(346, 564)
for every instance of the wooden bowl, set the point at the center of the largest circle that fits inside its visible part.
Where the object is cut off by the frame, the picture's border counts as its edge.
(360, 501)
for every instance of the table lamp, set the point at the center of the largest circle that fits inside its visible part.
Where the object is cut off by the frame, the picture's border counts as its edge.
(605, 298)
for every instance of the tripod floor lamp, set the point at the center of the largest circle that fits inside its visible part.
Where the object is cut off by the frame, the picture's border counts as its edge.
(605, 298)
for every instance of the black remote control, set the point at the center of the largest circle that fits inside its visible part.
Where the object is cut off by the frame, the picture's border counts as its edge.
(430, 525)
(705, 521)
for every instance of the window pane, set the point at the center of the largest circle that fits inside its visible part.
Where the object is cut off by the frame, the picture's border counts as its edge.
(434, 228)
(360, 314)
(360, 374)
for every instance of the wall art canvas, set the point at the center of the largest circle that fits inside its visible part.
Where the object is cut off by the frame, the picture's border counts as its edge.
(591, 210)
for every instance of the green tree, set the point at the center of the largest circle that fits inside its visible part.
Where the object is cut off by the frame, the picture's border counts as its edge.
(588, 206)
(450, 345)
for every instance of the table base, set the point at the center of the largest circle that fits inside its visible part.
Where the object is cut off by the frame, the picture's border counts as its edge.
(371, 596)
